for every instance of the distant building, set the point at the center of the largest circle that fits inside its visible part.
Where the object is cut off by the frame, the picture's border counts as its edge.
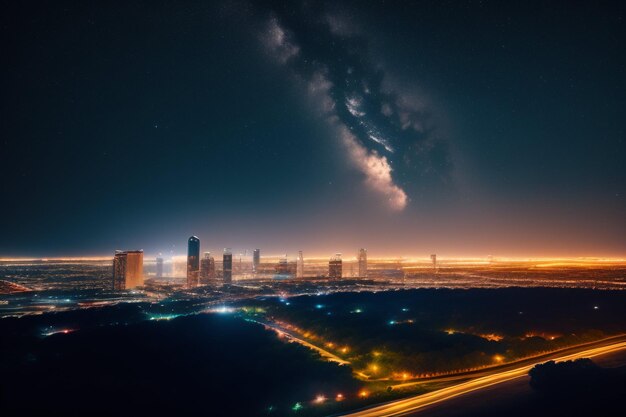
(207, 268)
(159, 267)
(227, 266)
(433, 258)
(179, 266)
(300, 265)
(335, 267)
(362, 263)
(256, 260)
(127, 270)
(193, 261)
(285, 269)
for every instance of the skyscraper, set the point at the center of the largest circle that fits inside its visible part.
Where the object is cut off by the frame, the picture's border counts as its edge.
(335, 267)
(300, 265)
(227, 266)
(159, 266)
(193, 261)
(362, 263)
(256, 260)
(207, 268)
(127, 270)
(433, 258)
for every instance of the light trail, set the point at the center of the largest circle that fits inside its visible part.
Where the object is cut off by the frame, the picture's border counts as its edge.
(329, 356)
(411, 404)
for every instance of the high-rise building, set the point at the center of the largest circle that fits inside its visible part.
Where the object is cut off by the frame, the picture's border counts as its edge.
(256, 260)
(362, 263)
(127, 270)
(207, 268)
(300, 265)
(433, 258)
(159, 267)
(227, 266)
(335, 267)
(193, 261)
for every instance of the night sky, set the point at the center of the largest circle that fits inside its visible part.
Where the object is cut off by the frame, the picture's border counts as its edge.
(409, 128)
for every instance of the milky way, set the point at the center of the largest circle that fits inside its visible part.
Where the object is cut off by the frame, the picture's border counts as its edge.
(386, 133)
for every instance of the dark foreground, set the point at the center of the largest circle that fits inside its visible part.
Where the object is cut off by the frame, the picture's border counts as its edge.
(116, 361)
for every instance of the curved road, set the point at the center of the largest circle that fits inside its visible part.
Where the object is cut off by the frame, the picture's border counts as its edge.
(282, 332)
(410, 404)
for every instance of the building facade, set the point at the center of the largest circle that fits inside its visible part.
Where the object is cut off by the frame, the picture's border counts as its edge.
(193, 261)
(256, 260)
(127, 270)
(300, 265)
(207, 268)
(227, 266)
(362, 263)
(335, 267)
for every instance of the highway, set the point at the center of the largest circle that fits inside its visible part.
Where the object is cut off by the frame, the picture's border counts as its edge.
(411, 404)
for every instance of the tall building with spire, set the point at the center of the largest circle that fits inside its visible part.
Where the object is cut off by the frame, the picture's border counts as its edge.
(256, 260)
(127, 270)
(193, 261)
(227, 266)
(207, 268)
(362, 263)
(335, 267)
(300, 265)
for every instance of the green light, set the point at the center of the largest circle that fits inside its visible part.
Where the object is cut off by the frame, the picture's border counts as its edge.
(296, 407)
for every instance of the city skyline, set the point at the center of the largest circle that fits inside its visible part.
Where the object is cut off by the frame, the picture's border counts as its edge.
(313, 208)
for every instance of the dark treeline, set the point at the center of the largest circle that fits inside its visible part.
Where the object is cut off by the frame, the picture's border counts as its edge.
(409, 327)
(202, 364)
(577, 388)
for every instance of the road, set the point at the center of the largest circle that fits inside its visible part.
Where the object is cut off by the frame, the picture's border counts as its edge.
(329, 356)
(411, 404)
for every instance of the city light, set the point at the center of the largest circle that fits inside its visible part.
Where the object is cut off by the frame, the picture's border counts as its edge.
(463, 162)
(498, 358)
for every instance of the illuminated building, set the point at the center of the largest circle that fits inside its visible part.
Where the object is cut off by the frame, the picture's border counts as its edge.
(193, 261)
(300, 265)
(285, 268)
(227, 266)
(256, 260)
(335, 267)
(127, 270)
(159, 267)
(433, 258)
(207, 268)
(362, 263)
